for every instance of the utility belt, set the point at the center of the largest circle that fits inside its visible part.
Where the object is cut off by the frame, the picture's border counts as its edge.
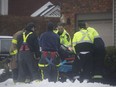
(50, 54)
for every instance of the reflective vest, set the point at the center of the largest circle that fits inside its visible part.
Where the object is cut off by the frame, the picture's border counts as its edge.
(64, 38)
(81, 37)
(24, 46)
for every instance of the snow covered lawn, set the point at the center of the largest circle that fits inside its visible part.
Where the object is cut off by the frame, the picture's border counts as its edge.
(45, 83)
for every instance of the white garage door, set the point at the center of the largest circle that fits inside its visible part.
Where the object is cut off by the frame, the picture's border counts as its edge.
(105, 30)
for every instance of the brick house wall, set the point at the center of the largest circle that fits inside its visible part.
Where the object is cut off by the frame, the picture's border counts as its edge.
(26, 7)
(70, 8)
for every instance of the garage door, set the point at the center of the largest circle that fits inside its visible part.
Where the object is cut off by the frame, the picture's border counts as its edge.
(105, 30)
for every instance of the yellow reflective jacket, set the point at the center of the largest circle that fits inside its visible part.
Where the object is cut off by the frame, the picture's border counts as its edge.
(65, 38)
(94, 32)
(13, 48)
(82, 36)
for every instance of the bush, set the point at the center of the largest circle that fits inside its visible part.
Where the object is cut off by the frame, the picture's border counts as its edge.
(110, 59)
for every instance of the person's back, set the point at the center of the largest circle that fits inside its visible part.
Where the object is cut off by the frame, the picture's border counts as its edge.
(28, 48)
(49, 62)
(49, 41)
(83, 42)
(83, 45)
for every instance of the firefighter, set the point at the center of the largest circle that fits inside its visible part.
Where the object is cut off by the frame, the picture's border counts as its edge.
(13, 52)
(65, 40)
(49, 62)
(28, 51)
(99, 53)
(84, 48)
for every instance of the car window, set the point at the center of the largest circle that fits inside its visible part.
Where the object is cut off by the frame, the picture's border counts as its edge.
(5, 44)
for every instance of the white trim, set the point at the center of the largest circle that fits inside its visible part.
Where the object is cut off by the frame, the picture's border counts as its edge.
(36, 13)
(47, 11)
(55, 12)
(6, 37)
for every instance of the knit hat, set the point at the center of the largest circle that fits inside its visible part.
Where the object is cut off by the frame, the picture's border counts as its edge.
(82, 24)
(30, 26)
(50, 26)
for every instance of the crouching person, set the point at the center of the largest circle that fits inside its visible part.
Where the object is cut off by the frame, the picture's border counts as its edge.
(49, 61)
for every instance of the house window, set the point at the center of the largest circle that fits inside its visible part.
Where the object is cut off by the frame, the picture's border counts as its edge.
(3, 7)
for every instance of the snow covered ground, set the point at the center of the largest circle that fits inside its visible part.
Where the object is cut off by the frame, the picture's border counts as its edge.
(45, 83)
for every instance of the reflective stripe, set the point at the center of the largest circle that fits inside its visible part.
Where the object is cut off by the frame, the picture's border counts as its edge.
(42, 65)
(42, 75)
(85, 34)
(14, 41)
(58, 65)
(45, 65)
(25, 37)
(14, 52)
(58, 75)
(84, 52)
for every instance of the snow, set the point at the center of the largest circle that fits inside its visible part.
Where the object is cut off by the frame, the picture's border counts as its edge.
(45, 83)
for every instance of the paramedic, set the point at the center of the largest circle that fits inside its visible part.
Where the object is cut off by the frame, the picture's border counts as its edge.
(83, 45)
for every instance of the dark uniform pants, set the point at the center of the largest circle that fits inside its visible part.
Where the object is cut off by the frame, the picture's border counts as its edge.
(84, 65)
(50, 71)
(26, 66)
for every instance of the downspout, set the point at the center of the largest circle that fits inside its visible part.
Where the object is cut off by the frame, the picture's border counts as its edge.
(113, 23)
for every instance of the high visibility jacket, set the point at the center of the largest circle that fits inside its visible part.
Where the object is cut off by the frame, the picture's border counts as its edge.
(94, 32)
(13, 48)
(83, 36)
(64, 38)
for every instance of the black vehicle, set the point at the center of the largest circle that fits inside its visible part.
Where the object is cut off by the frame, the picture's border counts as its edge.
(5, 43)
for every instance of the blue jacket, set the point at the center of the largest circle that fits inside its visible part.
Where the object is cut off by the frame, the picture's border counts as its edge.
(49, 41)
